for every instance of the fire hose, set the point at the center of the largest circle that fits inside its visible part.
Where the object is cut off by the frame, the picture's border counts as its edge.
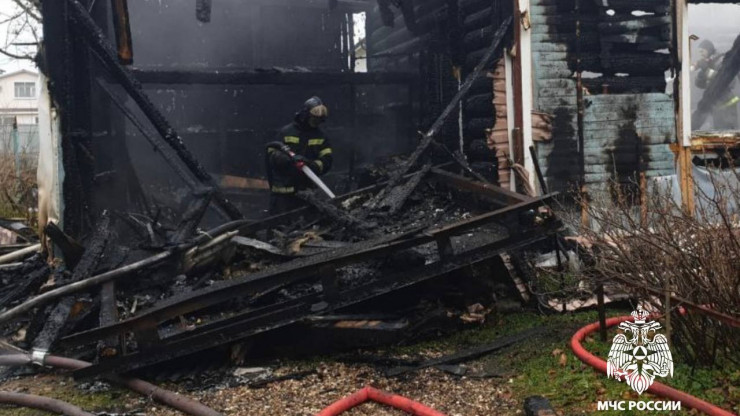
(368, 393)
(656, 388)
(300, 164)
(171, 399)
(41, 403)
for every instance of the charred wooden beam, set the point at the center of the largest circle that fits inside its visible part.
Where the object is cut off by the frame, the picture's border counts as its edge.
(192, 216)
(273, 317)
(95, 248)
(386, 14)
(34, 275)
(271, 78)
(111, 346)
(84, 269)
(451, 106)
(538, 406)
(340, 5)
(159, 144)
(409, 15)
(397, 197)
(497, 194)
(54, 324)
(203, 10)
(96, 39)
(72, 251)
(122, 28)
(339, 216)
(298, 270)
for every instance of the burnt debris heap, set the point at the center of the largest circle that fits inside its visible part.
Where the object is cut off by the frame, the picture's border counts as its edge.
(164, 110)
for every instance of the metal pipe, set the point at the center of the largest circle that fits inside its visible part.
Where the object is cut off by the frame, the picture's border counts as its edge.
(20, 254)
(41, 403)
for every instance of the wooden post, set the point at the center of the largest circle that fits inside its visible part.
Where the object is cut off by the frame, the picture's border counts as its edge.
(602, 311)
(682, 92)
(122, 28)
(584, 207)
(668, 309)
(560, 272)
(643, 199)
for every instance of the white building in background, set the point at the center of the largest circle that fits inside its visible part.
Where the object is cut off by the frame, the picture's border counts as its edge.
(19, 106)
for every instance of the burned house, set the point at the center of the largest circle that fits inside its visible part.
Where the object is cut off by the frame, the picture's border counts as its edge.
(153, 155)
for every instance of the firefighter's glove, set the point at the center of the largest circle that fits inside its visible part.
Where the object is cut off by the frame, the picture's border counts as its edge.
(300, 159)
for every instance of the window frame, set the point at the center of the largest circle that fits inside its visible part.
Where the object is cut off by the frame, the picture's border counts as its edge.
(30, 86)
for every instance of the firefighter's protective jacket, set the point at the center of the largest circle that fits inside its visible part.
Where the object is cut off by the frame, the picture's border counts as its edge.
(309, 142)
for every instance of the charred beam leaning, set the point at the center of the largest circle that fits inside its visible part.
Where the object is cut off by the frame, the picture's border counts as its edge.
(97, 41)
(122, 27)
(158, 143)
(451, 106)
(85, 267)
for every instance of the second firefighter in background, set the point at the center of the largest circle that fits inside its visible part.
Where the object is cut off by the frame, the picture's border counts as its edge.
(311, 146)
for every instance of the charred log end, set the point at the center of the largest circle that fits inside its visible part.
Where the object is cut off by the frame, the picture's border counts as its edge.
(538, 406)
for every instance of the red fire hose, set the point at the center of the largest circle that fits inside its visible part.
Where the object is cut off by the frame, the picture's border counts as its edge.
(369, 393)
(656, 388)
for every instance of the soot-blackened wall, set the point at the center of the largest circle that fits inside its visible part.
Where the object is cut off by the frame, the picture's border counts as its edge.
(620, 48)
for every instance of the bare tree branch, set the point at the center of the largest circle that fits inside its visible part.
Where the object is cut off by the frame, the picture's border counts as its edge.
(29, 9)
(14, 56)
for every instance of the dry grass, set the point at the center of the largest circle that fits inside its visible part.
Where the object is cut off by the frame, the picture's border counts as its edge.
(661, 246)
(17, 182)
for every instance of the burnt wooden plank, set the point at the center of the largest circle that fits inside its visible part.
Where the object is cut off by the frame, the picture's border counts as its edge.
(111, 346)
(192, 216)
(54, 324)
(37, 273)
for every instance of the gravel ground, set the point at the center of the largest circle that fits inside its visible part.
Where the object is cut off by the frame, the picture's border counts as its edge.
(448, 394)
(451, 395)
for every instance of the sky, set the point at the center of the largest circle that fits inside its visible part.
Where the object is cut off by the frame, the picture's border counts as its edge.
(9, 34)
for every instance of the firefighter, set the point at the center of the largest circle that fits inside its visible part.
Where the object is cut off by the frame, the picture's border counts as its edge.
(305, 138)
(724, 114)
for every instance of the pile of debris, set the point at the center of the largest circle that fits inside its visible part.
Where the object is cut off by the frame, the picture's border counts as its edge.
(377, 265)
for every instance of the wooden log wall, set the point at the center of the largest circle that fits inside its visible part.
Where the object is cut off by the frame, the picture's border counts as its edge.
(448, 34)
(621, 53)
(498, 136)
(425, 48)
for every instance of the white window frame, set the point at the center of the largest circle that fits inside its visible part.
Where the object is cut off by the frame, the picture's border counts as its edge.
(24, 85)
